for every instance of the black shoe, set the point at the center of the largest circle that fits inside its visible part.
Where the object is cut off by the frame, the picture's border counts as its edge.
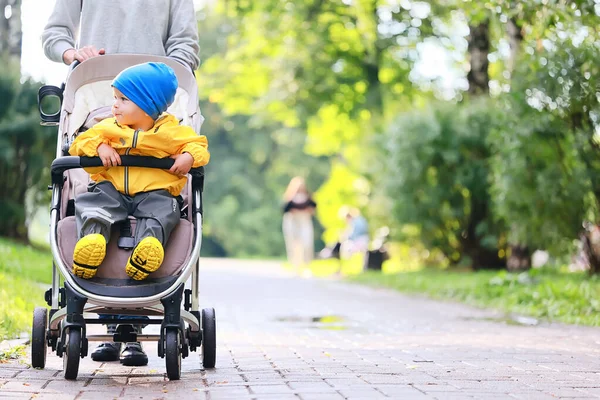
(133, 355)
(107, 351)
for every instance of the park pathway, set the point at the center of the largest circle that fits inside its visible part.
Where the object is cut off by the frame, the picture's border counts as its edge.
(281, 337)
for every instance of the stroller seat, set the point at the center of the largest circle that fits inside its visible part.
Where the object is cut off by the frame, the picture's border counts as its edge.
(112, 270)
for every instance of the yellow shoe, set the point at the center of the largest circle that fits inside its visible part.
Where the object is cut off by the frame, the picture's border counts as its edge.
(88, 255)
(146, 258)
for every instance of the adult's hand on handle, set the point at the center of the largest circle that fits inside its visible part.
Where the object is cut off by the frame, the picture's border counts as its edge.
(81, 54)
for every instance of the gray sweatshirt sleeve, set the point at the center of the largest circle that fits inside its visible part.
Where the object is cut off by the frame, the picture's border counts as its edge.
(182, 39)
(59, 35)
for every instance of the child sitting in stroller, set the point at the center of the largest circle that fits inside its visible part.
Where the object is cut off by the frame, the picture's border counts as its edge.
(142, 94)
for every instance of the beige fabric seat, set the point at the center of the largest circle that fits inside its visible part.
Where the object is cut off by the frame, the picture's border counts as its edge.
(177, 251)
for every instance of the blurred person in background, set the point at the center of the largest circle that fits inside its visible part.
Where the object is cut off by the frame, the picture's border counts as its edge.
(298, 230)
(82, 29)
(356, 237)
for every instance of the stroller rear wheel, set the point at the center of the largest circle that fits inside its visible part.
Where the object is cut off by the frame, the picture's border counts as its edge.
(39, 344)
(209, 338)
(72, 353)
(173, 353)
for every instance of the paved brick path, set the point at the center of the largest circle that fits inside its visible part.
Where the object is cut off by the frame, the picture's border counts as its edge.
(272, 345)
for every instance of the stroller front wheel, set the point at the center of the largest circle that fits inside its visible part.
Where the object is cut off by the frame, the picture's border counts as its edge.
(39, 344)
(209, 338)
(72, 349)
(173, 353)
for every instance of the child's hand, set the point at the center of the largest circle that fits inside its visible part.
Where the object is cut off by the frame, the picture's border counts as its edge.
(108, 155)
(183, 164)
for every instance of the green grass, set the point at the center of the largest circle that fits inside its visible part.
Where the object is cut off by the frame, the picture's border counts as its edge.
(12, 353)
(546, 293)
(25, 273)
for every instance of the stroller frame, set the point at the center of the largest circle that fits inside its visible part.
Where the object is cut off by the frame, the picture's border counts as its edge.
(64, 327)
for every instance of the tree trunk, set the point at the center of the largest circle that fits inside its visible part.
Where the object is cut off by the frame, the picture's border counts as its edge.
(11, 35)
(479, 48)
(591, 235)
(591, 248)
(515, 38)
(486, 259)
(371, 65)
(478, 78)
(481, 257)
(519, 259)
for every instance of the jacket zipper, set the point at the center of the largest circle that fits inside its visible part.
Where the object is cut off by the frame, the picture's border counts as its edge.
(133, 144)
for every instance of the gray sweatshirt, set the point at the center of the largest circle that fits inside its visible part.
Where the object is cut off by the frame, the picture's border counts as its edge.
(157, 27)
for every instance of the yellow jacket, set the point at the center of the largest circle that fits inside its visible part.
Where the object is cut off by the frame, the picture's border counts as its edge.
(166, 138)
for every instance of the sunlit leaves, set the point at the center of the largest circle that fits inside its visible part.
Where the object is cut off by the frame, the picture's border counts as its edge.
(308, 56)
(343, 187)
(329, 130)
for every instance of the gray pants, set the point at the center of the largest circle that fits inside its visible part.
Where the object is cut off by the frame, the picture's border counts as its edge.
(157, 212)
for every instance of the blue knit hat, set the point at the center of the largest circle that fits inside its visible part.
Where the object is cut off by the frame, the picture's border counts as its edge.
(151, 86)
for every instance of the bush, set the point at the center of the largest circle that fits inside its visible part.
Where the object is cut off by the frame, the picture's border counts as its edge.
(439, 178)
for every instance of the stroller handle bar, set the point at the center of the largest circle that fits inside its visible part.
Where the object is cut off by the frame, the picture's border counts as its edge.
(61, 164)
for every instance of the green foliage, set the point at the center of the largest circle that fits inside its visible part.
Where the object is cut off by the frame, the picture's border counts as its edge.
(539, 180)
(558, 72)
(521, 169)
(26, 152)
(249, 170)
(331, 71)
(546, 166)
(547, 293)
(23, 271)
(328, 67)
(253, 159)
(438, 176)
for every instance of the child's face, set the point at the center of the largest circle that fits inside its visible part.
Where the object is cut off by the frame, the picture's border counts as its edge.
(126, 112)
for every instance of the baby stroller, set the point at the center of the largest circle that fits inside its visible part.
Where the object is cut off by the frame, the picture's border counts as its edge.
(85, 99)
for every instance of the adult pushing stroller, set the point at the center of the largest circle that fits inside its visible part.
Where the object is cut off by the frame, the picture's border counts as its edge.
(85, 99)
